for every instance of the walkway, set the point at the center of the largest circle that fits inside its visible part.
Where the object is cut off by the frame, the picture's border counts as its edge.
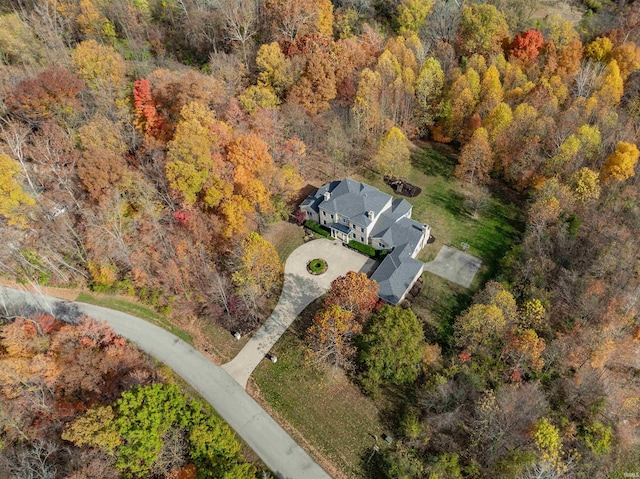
(299, 290)
(274, 446)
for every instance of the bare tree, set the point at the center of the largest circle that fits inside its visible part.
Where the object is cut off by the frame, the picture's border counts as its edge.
(241, 22)
(15, 134)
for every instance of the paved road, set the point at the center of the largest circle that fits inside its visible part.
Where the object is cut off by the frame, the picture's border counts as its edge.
(274, 446)
(299, 290)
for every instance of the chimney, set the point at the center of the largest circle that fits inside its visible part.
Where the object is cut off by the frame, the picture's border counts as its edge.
(327, 196)
(370, 214)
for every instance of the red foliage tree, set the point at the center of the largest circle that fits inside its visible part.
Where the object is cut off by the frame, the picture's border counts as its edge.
(353, 292)
(526, 45)
(147, 118)
(49, 93)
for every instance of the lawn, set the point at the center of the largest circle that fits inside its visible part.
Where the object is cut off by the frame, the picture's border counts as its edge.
(443, 205)
(325, 407)
(285, 237)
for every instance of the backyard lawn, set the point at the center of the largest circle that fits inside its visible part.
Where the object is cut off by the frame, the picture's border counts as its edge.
(326, 408)
(285, 237)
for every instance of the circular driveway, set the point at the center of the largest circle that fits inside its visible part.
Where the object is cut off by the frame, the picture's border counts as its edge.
(299, 290)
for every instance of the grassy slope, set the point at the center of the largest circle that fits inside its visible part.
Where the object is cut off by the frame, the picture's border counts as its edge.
(135, 310)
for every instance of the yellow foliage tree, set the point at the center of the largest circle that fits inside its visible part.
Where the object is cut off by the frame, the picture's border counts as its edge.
(99, 65)
(393, 158)
(260, 269)
(273, 68)
(611, 86)
(12, 197)
(490, 90)
(627, 57)
(412, 14)
(585, 185)
(598, 49)
(620, 165)
(498, 120)
(476, 159)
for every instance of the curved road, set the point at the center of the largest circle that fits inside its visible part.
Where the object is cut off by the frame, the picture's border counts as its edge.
(274, 446)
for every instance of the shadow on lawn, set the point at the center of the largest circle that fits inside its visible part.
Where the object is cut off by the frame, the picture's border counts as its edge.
(434, 161)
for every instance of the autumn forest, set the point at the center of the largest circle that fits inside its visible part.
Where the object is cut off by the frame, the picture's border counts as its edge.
(156, 152)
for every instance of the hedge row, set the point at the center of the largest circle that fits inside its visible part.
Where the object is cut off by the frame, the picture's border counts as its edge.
(313, 226)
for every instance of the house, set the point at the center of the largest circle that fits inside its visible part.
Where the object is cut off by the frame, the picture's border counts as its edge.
(355, 211)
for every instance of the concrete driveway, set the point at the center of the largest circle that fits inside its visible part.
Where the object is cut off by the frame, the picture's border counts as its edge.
(299, 290)
(274, 446)
(454, 265)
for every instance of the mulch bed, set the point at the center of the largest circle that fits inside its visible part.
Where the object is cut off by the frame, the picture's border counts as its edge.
(402, 187)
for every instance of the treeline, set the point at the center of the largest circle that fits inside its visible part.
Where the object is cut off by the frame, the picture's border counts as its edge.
(78, 401)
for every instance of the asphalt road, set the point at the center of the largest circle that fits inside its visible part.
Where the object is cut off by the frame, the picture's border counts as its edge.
(274, 446)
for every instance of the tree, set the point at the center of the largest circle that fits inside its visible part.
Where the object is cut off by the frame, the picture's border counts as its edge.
(355, 293)
(620, 165)
(524, 350)
(412, 15)
(241, 22)
(627, 57)
(101, 165)
(273, 68)
(253, 170)
(95, 428)
(258, 96)
(366, 106)
(195, 164)
(429, 85)
(598, 49)
(393, 157)
(260, 269)
(50, 94)
(526, 45)
(476, 159)
(330, 337)
(611, 87)
(290, 18)
(19, 44)
(490, 90)
(147, 118)
(391, 348)
(317, 85)
(498, 120)
(480, 328)
(12, 197)
(482, 30)
(99, 65)
(585, 185)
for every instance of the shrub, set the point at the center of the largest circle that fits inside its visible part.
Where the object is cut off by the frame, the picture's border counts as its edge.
(363, 248)
(313, 226)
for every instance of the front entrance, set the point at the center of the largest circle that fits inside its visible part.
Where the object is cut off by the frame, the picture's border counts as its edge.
(340, 232)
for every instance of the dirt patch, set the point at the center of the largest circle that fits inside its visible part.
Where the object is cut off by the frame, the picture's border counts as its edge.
(402, 187)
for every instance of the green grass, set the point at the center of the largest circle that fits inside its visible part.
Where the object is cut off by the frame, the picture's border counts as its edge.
(441, 205)
(327, 409)
(285, 237)
(317, 266)
(135, 310)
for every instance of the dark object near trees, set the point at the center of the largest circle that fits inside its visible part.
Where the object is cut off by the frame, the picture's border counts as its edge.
(402, 187)
(271, 357)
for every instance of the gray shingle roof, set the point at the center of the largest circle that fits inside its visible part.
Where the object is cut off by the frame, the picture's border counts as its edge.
(395, 275)
(353, 199)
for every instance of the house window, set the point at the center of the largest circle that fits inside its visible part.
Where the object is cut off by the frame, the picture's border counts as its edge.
(324, 222)
(324, 213)
(361, 239)
(331, 216)
(354, 235)
(361, 230)
(308, 213)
